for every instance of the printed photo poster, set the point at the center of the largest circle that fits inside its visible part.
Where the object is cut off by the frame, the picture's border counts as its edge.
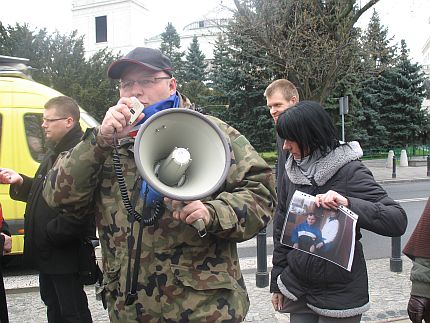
(325, 233)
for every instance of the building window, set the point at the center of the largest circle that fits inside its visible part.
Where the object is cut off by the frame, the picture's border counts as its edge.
(101, 29)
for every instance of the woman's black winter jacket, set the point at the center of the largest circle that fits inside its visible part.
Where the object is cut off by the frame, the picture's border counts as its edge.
(328, 289)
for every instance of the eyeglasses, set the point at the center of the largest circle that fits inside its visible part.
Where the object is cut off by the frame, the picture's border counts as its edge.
(143, 83)
(52, 120)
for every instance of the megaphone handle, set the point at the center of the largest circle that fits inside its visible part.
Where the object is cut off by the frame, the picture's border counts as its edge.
(199, 224)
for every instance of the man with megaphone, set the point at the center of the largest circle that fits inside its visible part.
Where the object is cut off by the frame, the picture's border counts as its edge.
(148, 181)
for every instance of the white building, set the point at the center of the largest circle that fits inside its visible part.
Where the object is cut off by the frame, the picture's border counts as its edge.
(120, 26)
(206, 30)
(116, 24)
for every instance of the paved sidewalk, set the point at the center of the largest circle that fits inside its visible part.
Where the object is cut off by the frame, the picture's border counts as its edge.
(389, 294)
(383, 174)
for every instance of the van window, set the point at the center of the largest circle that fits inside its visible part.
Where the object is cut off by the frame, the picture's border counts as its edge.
(35, 135)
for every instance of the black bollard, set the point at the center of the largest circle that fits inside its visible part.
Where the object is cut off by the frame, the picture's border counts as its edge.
(262, 276)
(428, 165)
(394, 167)
(395, 260)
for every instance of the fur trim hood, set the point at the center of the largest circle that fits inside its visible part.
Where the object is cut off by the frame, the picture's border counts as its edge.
(327, 165)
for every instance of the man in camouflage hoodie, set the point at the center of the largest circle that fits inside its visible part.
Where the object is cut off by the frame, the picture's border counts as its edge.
(179, 276)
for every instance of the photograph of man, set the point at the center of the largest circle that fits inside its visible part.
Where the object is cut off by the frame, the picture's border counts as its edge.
(307, 235)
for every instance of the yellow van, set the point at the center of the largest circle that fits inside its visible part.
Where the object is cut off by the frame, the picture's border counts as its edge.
(21, 136)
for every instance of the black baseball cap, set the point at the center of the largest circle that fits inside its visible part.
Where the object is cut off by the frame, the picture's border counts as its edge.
(150, 58)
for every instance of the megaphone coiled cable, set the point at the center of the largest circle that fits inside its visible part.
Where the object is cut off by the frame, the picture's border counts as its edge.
(124, 192)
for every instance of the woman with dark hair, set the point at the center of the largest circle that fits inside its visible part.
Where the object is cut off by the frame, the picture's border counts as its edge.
(308, 287)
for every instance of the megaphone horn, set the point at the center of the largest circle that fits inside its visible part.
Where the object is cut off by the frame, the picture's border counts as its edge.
(182, 154)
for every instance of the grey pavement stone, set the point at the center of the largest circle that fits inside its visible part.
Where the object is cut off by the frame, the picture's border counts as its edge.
(389, 294)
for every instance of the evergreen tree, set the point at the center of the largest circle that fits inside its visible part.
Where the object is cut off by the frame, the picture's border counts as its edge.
(195, 65)
(194, 76)
(170, 46)
(402, 92)
(377, 56)
(198, 93)
(97, 92)
(219, 76)
(236, 76)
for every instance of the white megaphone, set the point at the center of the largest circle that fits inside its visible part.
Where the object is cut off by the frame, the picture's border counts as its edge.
(183, 155)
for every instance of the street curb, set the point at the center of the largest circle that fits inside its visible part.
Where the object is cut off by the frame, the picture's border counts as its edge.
(403, 180)
(397, 319)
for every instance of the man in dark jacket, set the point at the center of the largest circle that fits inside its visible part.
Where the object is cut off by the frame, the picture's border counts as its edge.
(5, 247)
(52, 238)
(280, 95)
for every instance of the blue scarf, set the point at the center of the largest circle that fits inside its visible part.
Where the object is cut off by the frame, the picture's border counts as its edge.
(171, 102)
(152, 196)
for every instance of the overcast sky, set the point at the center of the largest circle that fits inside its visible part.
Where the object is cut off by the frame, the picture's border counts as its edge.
(405, 19)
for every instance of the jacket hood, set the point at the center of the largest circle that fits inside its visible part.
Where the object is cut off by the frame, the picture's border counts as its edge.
(327, 165)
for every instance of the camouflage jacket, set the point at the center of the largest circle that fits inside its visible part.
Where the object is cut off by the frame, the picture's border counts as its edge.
(182, 277)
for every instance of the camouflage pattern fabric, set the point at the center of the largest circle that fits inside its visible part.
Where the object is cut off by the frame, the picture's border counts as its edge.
(182, 277)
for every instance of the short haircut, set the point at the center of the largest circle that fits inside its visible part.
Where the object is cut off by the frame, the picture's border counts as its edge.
(284, 86)
(310, 126)
(65, 107)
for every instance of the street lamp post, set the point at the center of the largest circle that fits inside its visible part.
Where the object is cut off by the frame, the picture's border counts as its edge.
(343, 109)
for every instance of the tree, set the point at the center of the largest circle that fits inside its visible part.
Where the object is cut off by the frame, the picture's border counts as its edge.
(305, 41)
(402, 92)
(236, 78)
(170, 46)
(98, 92)
(198, 93)
(195, 65)
(195, 74)
(218, 78)
(377, 57)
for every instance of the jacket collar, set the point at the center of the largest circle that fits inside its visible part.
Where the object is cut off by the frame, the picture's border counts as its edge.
(326, 166)
(69, 140)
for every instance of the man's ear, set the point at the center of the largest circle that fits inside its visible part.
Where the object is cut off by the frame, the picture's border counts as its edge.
(172, 86)
(70, 122)
(294, 99)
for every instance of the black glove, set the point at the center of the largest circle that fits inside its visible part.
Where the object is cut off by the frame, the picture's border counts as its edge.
(419, 309)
